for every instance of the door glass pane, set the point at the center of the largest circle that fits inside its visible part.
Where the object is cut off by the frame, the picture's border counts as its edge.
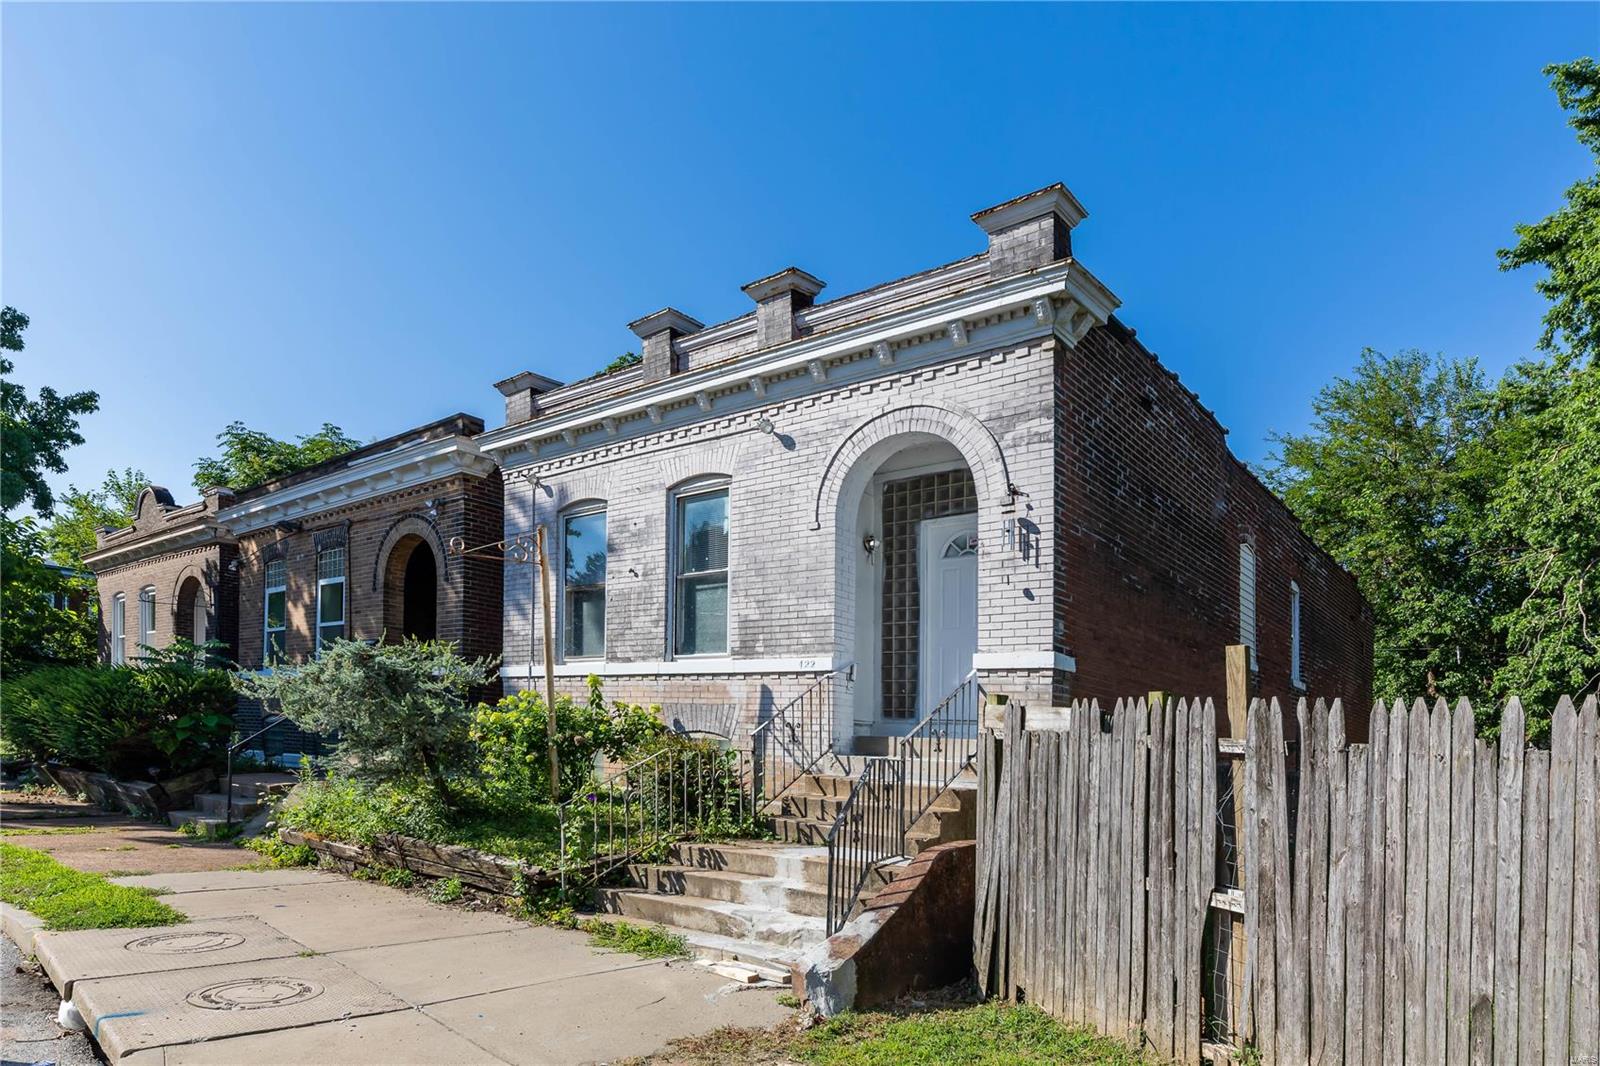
(703, 533)
(586, 622)
(703, 615)
(275, 609)
(275, 645)
(584, 543)
(332, 603)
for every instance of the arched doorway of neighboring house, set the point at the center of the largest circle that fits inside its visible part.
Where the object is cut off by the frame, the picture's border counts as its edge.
(411, 590)
(191, 621)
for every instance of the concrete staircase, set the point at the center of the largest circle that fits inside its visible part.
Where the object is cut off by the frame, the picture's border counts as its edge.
(763, 903)
(251, 794)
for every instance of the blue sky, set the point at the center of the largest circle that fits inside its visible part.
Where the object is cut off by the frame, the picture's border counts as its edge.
(367, 214)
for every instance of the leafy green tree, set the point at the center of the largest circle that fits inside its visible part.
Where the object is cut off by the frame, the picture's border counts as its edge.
(71, 532)
(1392, 481)
(1567, 243)
(33, 433)
(400, 710)
(250, 456)
(34, 630)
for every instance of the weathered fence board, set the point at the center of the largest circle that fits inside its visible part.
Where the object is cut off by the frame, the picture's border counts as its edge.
(1423, 897)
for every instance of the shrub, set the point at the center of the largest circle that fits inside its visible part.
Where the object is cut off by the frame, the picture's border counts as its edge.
(400, 710)
(445, 890)
(167, 715)
(513, 743)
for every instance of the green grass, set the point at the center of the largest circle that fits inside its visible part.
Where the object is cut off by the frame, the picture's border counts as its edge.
(646, 942)
(276, 855)
(985, 1033)
(65, 898)
(65, 830)
(957, 1033)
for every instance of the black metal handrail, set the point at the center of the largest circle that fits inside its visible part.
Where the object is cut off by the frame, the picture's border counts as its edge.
(669, 795)
(892, 794)
(869, 830)
(796, 738)
(233, 749)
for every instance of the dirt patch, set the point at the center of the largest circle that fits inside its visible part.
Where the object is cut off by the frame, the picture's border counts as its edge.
(86, 838)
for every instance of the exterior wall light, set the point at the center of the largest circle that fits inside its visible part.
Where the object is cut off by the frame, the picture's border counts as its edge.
(764, 424)
(870, 544)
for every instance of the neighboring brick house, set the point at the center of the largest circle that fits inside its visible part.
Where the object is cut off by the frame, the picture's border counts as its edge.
(355, 547)
(974, 467)
(172, 573)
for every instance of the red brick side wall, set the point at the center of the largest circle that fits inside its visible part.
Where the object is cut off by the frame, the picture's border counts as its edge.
(468, 602)
(1151, 508)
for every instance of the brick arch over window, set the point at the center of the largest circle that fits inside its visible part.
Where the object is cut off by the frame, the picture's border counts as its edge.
(393, 573)
(844, 477)
(187, 598)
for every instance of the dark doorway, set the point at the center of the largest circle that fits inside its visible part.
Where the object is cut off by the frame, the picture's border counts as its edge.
(420, 608)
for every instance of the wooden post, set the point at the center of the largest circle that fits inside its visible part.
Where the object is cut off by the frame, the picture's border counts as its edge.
(549, 664)
(1233, 724)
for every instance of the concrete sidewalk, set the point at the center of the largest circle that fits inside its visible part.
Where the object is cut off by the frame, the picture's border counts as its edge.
(293, 966)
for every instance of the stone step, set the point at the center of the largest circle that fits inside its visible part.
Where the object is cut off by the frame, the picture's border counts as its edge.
(805, 831)
(210, 824)
(216, 803)
(733, 920)
(777, 960)
(826, 808)
(762, 858)
(773, 893)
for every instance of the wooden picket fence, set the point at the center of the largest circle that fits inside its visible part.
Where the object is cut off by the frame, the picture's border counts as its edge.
(1424, 897)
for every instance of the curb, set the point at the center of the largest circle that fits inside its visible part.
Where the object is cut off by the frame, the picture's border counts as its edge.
(21, 926)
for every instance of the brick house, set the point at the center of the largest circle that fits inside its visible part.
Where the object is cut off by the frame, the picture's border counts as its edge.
(172, 573)
(977, 467)
(354, 547)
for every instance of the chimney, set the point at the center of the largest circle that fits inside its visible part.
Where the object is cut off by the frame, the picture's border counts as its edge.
(659, 331)
(779, 297)
(522, 392)
(1030, 231)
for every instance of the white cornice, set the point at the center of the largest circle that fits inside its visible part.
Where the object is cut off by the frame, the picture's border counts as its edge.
(711, 665)
(1083, 298)
(393, 471)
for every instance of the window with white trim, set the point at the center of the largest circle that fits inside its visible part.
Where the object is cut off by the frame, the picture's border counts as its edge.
(1247, 598)
(119, 629)
(583, 547)
(274, 616)
(330, 596)
(700, 569)
(1295, 677)
(147, 617)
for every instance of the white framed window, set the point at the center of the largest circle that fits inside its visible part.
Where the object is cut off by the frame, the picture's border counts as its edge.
(119, 629)
(1247, 598)
(700, 572)
(1296, 678)
(583, 577)
(330, 595)
(147, 617)
(274, 612)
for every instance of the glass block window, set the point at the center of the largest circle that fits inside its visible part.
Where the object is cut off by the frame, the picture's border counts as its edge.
(583, 546)
(330, 596)
(1247, 598)
(147, 616)
(119, 629)
(701, 566)
(1296, 678)
(906, 503)
(275, 618)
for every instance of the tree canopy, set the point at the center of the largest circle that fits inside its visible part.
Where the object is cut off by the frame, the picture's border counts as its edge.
(1466, 509)
(80, 512)
(249, 456)
(33, 433)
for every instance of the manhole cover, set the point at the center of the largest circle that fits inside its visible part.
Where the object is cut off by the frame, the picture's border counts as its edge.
(252, 993)
(184, 943)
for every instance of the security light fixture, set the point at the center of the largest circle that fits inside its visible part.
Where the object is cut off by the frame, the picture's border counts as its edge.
(764, 424)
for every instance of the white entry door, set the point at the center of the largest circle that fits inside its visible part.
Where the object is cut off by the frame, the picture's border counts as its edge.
(947, 571)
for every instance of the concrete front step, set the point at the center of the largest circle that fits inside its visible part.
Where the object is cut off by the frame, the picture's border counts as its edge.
(750, 889)
(762, 858)
(774, 958)
(826, 808)
(806, 831)
(735, 921)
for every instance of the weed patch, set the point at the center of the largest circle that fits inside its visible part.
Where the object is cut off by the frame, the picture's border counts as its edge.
(646, 942)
